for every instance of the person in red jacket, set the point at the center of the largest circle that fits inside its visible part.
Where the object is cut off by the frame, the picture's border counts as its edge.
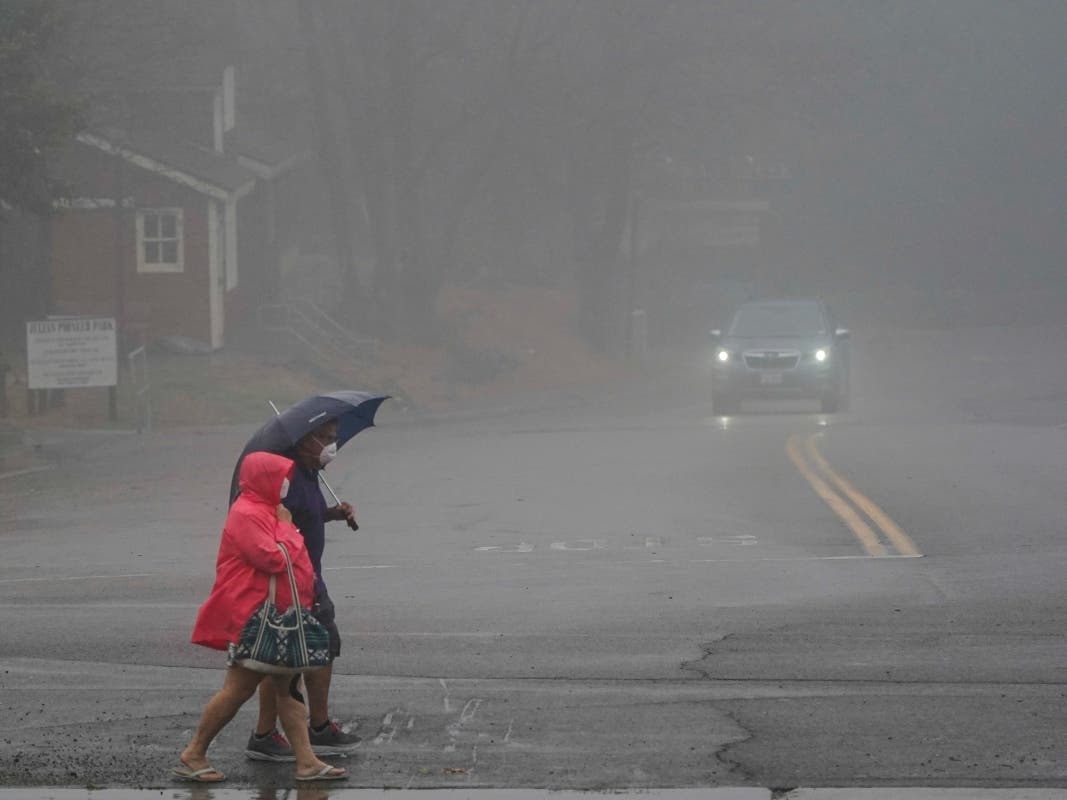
(248, 556)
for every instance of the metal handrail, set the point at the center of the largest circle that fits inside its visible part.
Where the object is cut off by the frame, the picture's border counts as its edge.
(324, 339)
(363, 344)
(269, 316)
(141, 389)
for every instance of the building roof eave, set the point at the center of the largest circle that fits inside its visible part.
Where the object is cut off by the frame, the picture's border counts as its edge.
(146, 162)
(271, 171)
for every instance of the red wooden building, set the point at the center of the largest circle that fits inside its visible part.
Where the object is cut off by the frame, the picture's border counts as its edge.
(174, 229)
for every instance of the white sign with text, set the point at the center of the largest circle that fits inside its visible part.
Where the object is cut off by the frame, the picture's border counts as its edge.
(70, 352)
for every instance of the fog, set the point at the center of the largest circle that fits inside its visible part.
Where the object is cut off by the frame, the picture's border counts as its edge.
(903, 161)
(582, 562)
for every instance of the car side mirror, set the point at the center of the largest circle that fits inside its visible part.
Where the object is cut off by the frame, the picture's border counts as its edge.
(715, 334)
(841, 333)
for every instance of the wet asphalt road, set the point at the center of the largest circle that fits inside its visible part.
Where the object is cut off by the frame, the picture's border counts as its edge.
(595, 591)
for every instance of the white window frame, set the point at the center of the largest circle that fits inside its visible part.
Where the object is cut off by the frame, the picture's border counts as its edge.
(142, 241)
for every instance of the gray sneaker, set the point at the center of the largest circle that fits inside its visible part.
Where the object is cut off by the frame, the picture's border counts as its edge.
(272, 747)
(333, 741)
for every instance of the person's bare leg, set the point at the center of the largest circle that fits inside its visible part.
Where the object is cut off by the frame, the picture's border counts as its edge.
(318, 694)
(294, 722)
(268, 709)
(238, 686)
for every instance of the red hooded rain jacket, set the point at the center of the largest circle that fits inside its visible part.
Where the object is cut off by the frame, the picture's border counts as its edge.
(249, 555)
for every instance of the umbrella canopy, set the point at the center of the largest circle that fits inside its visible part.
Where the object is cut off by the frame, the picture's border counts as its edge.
(354, 411)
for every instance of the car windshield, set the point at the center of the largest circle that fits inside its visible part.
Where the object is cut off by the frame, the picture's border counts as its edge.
(778, 320)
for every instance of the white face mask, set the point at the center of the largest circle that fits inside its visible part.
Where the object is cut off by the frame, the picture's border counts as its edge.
(328, 454)
(285, 488)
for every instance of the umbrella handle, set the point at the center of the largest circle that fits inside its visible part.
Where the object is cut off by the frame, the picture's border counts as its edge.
(351, 523)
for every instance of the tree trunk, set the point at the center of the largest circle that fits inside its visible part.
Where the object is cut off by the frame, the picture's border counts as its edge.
(357, 83)
(420, 281)
(330, 159)
(608, 166)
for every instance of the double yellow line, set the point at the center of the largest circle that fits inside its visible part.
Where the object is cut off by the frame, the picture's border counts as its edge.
(892, 543)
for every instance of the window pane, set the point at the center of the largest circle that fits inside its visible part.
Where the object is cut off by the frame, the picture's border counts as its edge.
(170, 227)
(170, 252)
(151, 226)
(151, 252)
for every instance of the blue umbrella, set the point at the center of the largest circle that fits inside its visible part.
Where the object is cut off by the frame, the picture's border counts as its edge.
(353, 411)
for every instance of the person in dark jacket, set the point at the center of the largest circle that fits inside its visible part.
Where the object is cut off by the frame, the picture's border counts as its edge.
(248, 556)
(310, 514)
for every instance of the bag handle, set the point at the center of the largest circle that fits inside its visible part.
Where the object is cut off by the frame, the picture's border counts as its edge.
(292, 579)
(296, 603)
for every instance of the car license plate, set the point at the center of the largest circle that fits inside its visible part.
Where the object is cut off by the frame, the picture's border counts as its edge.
(770, 378)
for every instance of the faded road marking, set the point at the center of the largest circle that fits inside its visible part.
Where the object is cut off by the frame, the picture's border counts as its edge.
(389, 730)
(81, 578)
(454, 729)
(580, 544)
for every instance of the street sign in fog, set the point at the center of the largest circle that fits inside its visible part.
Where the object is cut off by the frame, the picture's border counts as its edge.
(71, 352)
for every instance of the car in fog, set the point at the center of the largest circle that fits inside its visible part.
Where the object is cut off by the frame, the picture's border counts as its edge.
(780, 348)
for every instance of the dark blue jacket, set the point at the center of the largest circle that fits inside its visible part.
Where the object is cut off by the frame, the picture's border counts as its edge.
(308, 507)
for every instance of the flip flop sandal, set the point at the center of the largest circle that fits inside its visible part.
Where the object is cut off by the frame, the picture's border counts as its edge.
(197, 775)
(325, 774)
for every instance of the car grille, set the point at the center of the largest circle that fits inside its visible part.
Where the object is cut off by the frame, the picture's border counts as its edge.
(771, 360)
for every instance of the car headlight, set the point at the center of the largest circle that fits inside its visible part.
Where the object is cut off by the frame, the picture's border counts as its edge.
(723, 356)
(822, 355)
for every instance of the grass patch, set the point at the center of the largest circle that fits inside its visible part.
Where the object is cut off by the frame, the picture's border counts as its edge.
(500, 342)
